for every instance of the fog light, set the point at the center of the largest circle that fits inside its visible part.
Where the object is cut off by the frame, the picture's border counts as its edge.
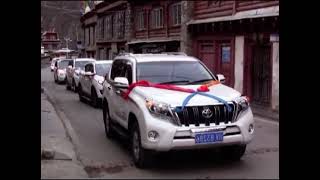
(152, 135)
(251, 129)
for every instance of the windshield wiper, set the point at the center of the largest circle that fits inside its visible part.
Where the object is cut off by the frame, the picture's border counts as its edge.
(173, 82)
(201, 80)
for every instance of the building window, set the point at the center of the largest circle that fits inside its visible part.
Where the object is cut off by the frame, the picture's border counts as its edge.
(214, 2)
(118, 24)
(108, 23)
(141, 20)
(157, 18)
(101, 29)
(93, 35)
(176, 14)
(87, 38)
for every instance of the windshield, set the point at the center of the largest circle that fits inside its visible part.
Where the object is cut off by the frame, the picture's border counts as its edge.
(173, 72)
(102, 69)
(63, 64)
(81, 64)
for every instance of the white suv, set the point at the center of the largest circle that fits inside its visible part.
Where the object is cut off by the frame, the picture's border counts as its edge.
(90, 83)
(73, 72)
(173, 115)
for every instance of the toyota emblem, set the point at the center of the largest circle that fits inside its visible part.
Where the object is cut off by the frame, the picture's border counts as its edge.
(207, 113)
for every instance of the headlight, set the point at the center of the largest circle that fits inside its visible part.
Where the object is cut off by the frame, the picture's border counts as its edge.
(243, 102)
(160, 110)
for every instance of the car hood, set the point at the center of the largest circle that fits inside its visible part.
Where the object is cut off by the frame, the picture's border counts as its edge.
(175, 98)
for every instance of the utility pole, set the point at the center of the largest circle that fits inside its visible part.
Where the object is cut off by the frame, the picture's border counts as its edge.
(67, 40)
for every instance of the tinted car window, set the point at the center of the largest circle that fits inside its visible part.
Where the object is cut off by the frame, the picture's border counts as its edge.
(161, 72)
(81, 64)
(63, 64)
(118, 69)
(102, 69)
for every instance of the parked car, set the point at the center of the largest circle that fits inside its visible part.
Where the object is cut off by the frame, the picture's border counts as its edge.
(59, 73)
(73, 72)
(155, 119)
(52, 63)
(90, 83)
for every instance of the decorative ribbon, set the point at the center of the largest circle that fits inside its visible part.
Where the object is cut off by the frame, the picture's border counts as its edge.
(200, 91)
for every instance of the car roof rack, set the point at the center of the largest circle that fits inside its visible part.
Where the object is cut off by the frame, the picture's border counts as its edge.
(174, 53)
(167, 53)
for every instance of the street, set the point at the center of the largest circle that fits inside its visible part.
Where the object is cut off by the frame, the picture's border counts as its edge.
(260, 161)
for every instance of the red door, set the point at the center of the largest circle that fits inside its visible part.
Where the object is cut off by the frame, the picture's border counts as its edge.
(225, 62)
(206, 54)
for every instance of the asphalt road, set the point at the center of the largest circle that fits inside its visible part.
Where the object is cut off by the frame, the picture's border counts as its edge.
(111, 158)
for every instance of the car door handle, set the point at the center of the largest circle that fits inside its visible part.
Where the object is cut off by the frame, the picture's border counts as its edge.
(109, 87)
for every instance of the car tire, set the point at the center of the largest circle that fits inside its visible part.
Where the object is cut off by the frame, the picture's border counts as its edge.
(55, 79)
(73, 85)
(141, 157)
(68, 87)
(94, 98)
(233, 153)
(81, 98)
(107, 121)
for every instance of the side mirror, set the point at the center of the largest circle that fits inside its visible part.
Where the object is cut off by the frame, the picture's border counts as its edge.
(121, 82)
(221, 78)
(106, 76)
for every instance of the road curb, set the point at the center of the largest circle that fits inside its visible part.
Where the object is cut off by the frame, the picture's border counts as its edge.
(71, 134)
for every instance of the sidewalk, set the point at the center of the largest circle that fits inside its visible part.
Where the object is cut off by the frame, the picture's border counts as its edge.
(265, 113)
(58, 158)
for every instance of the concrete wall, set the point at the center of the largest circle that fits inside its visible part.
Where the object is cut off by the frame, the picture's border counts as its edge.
(238, 66)
(275, 76)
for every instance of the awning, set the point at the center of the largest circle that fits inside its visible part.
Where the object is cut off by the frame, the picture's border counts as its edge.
(155, 40)
(256, 13)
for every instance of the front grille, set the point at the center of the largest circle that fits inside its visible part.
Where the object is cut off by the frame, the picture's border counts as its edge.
(192, 115)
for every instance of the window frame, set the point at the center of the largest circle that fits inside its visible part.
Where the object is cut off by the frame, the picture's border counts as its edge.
(175, 18)
(141, 20)
(157, 19)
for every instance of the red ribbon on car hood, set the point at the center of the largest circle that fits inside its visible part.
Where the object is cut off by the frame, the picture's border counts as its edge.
(202, 88)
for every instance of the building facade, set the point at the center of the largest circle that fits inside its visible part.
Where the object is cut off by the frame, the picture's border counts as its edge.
(157, 26)
(238, 39)
(89, 21)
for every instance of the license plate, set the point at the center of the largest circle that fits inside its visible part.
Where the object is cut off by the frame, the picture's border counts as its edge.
(208, 137)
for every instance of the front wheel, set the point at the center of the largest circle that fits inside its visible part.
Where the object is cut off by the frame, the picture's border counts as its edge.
(73, 86)
(94, 98)
(234, 153)
(141, 157)
(80, 93)
(107, 121)
(68, 87)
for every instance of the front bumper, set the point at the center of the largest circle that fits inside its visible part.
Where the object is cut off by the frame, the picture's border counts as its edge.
(173, 137)
(62, 77)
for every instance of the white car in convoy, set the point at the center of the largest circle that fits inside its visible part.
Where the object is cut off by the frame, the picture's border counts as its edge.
(90, 84)
(53, 61)
(59, 72)
(73, 72)
(161, 119)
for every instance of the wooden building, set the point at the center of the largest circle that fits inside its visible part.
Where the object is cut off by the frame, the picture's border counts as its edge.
(50, 41)
(157, 26)
(240, 40)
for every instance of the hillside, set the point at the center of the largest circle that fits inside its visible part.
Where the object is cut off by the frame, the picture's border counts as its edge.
(64, 17)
